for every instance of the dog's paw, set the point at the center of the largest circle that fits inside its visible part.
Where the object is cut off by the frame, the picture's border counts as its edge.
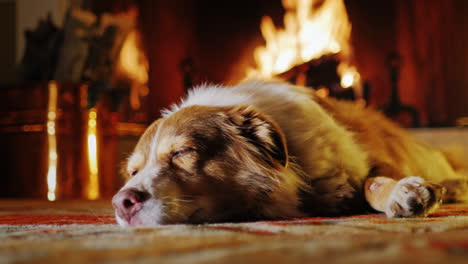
(413, 196)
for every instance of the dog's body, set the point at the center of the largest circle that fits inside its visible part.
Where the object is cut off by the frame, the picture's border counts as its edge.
(274, 151)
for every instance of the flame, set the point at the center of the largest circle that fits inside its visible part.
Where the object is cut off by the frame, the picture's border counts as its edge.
(132, 61)
(349, 75)
(52, 141)
(93, 185)
(308, 33)
(134, 65)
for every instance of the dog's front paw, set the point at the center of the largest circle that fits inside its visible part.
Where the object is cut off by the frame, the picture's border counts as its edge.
(413, 196)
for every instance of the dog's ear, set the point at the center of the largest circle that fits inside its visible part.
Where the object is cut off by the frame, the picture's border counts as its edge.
(260, 131)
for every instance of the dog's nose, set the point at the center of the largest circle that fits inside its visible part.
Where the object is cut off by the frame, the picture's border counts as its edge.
(128, 202)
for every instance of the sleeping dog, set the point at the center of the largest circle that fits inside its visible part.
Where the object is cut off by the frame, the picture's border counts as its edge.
(269, 150)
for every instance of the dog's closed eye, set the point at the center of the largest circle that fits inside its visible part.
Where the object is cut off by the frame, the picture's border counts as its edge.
(183, 159)
(181, 152)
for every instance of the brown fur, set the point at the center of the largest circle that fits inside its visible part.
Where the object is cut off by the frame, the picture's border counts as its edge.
(198, 172)
(392, 153)
(244, 162)
(391, 149)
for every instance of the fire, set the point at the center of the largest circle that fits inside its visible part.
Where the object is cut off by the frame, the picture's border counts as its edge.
(309, 33)
(52, 141)
(132, 61)
(349, 75)
(93, 185)
(134, 65)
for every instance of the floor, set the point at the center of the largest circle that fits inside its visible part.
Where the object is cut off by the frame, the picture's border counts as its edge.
(85, 232)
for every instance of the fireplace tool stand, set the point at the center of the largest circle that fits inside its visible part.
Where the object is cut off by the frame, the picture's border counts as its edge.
(395, 109)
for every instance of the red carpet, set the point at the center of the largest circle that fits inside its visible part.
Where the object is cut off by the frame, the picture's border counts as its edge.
(85, 232)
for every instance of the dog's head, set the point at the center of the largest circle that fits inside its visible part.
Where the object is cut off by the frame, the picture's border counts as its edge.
(207, 164)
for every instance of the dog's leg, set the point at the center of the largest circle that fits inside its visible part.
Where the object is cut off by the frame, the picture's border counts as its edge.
(408, 197)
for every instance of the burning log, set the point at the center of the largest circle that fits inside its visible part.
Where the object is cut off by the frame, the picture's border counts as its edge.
(321, 73)
(310, 32)
(313, 49)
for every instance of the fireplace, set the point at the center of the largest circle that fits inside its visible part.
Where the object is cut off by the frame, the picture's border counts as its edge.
(404, 57)
(220, 41)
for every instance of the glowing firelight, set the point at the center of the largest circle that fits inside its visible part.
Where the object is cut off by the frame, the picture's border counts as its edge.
(52, 141)
(93, 185)
(134, 65)
(309, 32)
(349, 75)
(132, 60)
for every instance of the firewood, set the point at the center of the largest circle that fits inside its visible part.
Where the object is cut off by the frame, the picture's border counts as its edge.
(40, 55)
(78, 30)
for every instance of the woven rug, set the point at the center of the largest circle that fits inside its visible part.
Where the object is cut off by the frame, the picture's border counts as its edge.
(85, 232)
